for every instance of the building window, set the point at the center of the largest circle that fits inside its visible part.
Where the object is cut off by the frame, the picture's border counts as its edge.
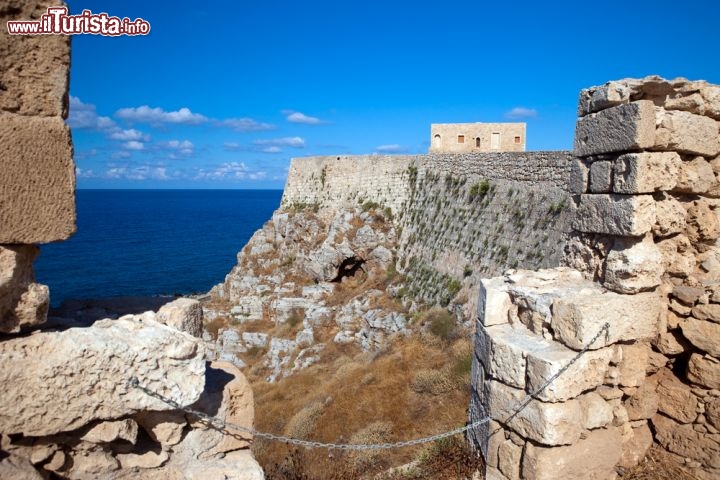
(461, 138)
(477, 142)
(517, 139)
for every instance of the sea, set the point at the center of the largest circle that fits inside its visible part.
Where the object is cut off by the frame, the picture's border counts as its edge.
(152, 242)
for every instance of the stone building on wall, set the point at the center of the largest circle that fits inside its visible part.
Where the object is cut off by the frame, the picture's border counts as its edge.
(477, 137)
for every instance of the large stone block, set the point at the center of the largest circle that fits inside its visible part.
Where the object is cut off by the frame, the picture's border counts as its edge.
(703, 334)
(623, 128)
(579, 316)
(38, 180)
(546, 423)
(595, 456)
(645, 172)
(704, 370)
(686, 132)
(90, 370)
(184, 314)
(601, 176)
(494, 302)
(594, 99)
(34, 69)
(695, 176)
(586, 373)
(633, 266)
(624, 215)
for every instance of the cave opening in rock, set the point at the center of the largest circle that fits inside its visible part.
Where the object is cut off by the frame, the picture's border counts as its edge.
(348, 268)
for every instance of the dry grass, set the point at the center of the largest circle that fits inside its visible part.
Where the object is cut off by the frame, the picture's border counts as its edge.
(360, 396)
(658, 465)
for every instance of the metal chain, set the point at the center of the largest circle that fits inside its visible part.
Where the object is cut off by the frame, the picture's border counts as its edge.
(514, 411)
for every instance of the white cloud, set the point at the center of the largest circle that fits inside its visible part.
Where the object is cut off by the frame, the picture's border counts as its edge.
(157, 115)
(230, 171)
(128, 135)
(273, 149)
(299, 117)
(518, 113)
(121, 154)
(184, 147)
(231, 146)
(133, 145)
(143, 172)
(245, 125)
(295, 142)
(84, 115)
(394, 148)
(83, 173)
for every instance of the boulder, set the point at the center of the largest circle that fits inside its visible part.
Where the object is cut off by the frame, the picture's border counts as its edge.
(184, 314)
(91, 370)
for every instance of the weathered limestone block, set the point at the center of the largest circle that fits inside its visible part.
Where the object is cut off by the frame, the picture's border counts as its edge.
(633, 366)
(624, 215)
(144, 460)
(165, 428)
(494, 302)
(695, 176)
(501, 349)
(592, 457)
(184, 314)
(227, 396)
(23, 303)
(578, 317)
(106, 432)
(702, 222)
(683, 440)
(712, 412)
(676, 399)
(34, 69)
(509, 456)
(579, 176)
(678, 256)
(635, 446)
(601, 176)
(645, 172)
(711, 96)
(622, 128)
(670, 217)
(703, 334)
(18, 468)
(546, 423)
(644, 402)
(633, 266)
(41, 207)
(670, 343)
(586, 373)
(686, 133)
(597, 412)
(594, 99)
(704, 370)
(90, 370)
(710, 311)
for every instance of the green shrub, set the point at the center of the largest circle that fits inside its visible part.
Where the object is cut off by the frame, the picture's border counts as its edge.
(479, 190)
(442, 323)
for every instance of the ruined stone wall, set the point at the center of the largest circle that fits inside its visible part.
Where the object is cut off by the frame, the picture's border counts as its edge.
(37, 184)
(71, 403)
(643, 257)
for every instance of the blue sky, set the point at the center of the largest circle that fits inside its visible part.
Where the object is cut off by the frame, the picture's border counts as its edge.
(223, 94)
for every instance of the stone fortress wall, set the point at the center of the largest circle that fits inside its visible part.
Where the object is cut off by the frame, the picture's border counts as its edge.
(69, 407)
